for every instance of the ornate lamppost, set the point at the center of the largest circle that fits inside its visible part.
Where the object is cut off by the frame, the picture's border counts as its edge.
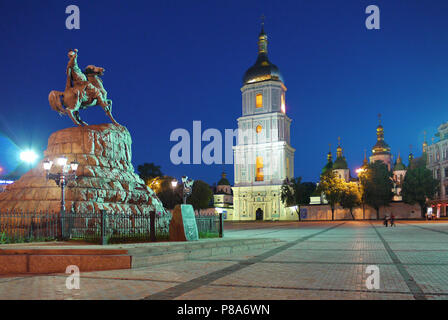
(61, 178)
(187, 187)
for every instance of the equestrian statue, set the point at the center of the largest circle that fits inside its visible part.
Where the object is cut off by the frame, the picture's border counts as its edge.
(82, 90)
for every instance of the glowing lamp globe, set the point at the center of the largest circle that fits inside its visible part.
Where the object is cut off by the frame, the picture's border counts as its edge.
(62, 161)
(28, 156)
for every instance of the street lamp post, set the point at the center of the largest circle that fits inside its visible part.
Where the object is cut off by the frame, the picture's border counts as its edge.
(360, 171)
(62, 179)
(187, 187)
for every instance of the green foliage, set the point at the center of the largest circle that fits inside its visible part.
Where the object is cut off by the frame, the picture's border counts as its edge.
(148, 171)
(419, 162)
(168, 195)
(296, 193)
(377, 185)
(331, 186)
(290, 191)
(308, 188)
(201, 195)
(418, 186)
(350, 197)
(204, 235)
(3, 238)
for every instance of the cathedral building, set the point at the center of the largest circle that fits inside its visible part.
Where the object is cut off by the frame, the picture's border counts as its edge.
(381, 151)
(340, 167)
(437, 162)
(263, 154)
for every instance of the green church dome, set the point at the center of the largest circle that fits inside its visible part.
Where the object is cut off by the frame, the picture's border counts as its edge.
(399, 164)
(223, 181)
(340, 163)
(328, 167)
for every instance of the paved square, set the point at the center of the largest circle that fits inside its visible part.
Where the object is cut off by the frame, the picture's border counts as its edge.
(318, 260)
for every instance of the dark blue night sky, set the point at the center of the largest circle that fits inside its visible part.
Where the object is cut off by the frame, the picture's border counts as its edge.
(169, 63)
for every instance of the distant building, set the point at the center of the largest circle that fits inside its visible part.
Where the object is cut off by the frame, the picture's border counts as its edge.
(4, 184)
(223, 198)
(437, 162)
(381, 151)
(340, 167)
(264, 157)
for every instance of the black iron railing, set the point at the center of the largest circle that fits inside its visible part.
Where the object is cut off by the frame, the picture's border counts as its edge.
(90, 227)
(210, 225)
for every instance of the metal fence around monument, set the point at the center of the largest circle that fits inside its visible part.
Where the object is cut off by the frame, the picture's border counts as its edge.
(19, 226)
(210, 225)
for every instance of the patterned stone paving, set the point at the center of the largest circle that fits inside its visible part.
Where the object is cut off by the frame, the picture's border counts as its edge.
(318, 261)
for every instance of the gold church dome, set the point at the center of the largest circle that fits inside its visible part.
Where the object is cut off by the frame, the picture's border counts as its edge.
(263, 69)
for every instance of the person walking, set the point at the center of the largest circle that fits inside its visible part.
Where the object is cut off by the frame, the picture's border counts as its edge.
(386, 218)
(392, 220)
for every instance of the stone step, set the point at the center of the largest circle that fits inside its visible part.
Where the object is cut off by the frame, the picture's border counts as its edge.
(25, 259)
(143, 257)
(38, 263)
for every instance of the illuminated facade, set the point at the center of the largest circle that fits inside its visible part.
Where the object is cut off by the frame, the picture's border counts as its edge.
(381, 150)
(340, 167)
(263, 155)
(223, 198)
(437, 162)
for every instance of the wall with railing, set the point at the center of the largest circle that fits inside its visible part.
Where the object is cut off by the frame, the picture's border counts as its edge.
(19, 226)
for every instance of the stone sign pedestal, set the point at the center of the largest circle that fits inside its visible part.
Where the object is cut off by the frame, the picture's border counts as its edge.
(183, 225)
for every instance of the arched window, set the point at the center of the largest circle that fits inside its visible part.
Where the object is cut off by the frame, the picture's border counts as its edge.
(283, 105)
(259, 176)
(259, 100)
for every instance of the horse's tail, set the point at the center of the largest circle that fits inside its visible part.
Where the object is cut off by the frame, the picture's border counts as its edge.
(55, 101)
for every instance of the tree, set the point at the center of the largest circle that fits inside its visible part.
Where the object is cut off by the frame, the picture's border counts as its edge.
(377, 185)
(362, 192)
(331, 186)
(201, 195)
(419, 162)
(350, 197)
(165, 192)
(149, 171)
(296, 193)
(308, 189)
(418, 186)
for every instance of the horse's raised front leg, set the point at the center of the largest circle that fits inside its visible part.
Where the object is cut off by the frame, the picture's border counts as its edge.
(78, 118)
(75, 121)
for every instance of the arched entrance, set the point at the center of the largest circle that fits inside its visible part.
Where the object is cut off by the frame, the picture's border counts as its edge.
(259, 214)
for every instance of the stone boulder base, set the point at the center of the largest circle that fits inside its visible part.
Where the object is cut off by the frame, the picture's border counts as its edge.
(106, 178)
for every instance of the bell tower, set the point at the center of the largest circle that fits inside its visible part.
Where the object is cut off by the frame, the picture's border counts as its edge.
(263, 155)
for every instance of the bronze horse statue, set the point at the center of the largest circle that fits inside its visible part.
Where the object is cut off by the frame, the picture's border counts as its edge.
(82, 90)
